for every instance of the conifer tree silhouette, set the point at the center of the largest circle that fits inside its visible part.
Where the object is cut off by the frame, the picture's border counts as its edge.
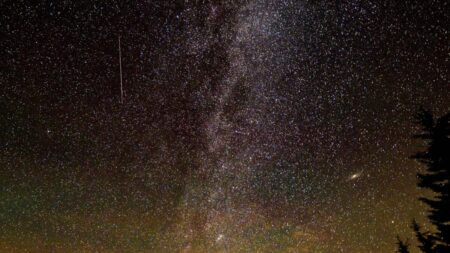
(402, 247)
(425, 239)
(436, 132)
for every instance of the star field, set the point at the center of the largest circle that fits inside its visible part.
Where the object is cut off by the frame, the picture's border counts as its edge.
(246, 126)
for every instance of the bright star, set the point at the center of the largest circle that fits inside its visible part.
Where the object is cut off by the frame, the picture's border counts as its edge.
(219, 237)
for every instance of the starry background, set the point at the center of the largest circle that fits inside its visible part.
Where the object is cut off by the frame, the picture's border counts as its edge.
(241, 127)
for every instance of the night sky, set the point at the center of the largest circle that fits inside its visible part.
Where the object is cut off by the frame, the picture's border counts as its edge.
(246, 126)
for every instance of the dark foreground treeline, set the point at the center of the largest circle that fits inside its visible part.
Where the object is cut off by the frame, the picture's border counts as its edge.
(436, 157)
